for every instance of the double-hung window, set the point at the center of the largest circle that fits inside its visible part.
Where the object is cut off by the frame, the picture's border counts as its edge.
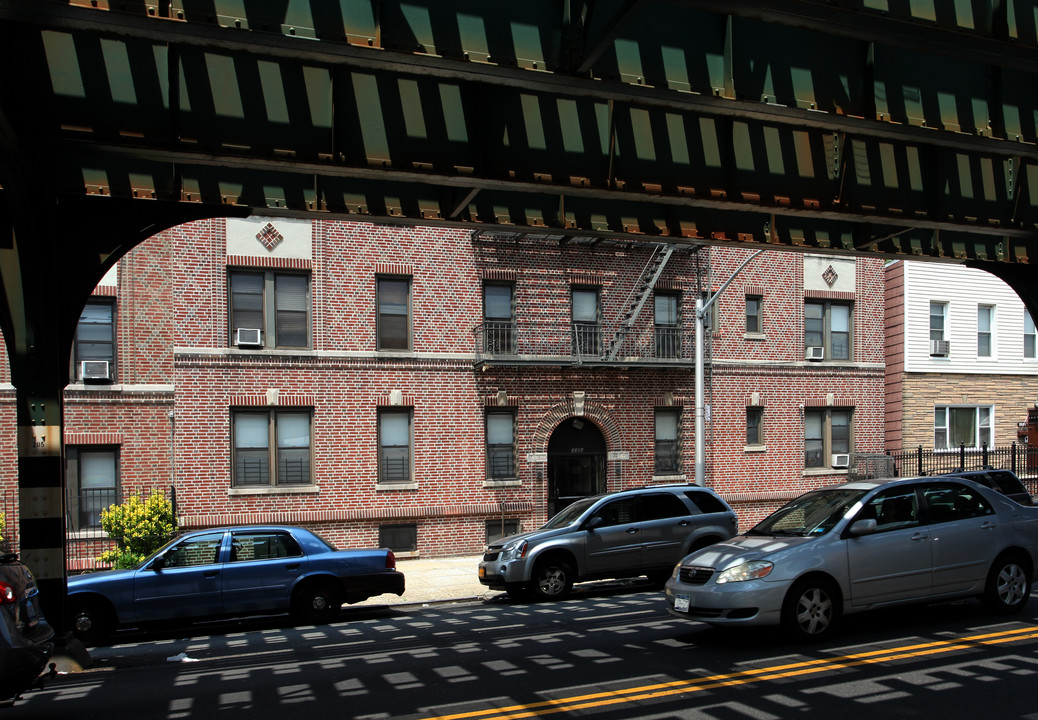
(667, 442)
(500, 434)
(269, 309)
(754, 425)
(754, 326)
(668, 325)
(938, 320)
(92, 475)
(394, 314)
(828, 325)
(498, 319)
(1030, 337)
(586, 330)
(985, 329)
(272, 447)
(95, 342)
(956, 426)
(394, 446)
(827, 432)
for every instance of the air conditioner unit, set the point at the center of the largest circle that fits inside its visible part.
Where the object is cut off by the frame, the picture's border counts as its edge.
(841, 460)
(93, 370)
(940, 348)
(248, 337)
(816, 352)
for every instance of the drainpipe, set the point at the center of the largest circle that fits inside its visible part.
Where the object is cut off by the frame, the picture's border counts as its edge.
(701, 313)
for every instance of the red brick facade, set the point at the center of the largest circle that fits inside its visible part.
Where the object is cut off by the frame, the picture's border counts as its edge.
(178, 379)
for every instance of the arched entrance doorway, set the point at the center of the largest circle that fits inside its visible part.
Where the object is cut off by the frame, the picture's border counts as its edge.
(576, 463)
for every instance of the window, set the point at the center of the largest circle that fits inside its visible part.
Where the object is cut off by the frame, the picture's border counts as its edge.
(263, 545)
(893, 509)
(661, 506)
(199, 550)
(668, 330)
(985, 326)
(401, 538)
(500, 429)
(827, 432)
(92, 475)
(957, 426)
(498, 319)
(1029, 336)
(710, 321)
(828, 325)
(95, 338)
(586, 332)
(394, 446)
(938, 320)
(753, 315)
(272, 448)
(501, 528)
(275, 303)
(619, 512)
(949, 502)
(668, 454)
(394, 314)
(754, 425)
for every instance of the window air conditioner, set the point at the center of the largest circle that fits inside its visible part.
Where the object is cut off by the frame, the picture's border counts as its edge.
(940, 348)
(93, 370)
(841, 460)
(816, 352)
(247, 337)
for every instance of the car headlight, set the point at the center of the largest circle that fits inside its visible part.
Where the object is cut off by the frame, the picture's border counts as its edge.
(747, 571)
(514, 551)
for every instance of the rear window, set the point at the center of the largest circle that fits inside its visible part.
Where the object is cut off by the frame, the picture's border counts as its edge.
(705, 501)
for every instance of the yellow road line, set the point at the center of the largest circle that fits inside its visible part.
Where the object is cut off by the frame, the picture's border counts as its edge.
(741, 677)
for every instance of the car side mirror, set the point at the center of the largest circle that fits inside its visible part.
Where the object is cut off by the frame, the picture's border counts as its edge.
(158, 563)
(862, 527)
(596, 522)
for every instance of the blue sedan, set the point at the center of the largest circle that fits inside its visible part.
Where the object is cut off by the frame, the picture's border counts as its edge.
(232, 572)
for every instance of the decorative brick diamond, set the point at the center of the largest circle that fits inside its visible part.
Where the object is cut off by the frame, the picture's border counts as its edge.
(829, 276)
(271, 238)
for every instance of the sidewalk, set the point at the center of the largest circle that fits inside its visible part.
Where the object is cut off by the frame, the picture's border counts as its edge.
(428, 580)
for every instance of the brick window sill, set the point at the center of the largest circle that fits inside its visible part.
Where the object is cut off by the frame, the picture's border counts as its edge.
(755, 448)
(502, 483)
(390, 487)
(274, 490)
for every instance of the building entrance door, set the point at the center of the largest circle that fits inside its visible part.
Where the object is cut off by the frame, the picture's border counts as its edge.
(576, 463)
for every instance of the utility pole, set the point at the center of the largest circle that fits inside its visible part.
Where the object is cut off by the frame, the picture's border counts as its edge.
(701, 313)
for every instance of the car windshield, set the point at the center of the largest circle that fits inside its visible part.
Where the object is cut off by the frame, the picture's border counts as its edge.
(814, 513)
(568, 516)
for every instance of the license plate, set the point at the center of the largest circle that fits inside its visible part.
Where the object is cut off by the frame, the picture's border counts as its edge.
(681, 603)
(482, 572)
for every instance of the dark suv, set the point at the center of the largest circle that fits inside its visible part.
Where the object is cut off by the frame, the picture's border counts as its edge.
(643, 531)
(1004, 481)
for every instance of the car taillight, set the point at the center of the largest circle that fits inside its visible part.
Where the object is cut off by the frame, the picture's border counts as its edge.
(7, 594)
(390, 560)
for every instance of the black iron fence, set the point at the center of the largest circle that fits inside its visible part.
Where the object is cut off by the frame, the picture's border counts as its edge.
(1021, 459)
(86, 541)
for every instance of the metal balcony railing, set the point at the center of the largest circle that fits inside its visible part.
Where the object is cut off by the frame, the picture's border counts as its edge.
(528, 342)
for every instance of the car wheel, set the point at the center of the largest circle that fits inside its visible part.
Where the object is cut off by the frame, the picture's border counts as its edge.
(811, 609)
(316, 603)
(92, 621)
(552, 579)
(1008, 585)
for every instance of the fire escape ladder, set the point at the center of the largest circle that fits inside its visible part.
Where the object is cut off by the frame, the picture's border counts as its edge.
(640, 295)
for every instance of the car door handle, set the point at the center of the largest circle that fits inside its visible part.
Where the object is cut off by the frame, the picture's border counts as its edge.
(988, 526)
(293, 566)
(210, 575)
(684, 523)
(632, 531)
(920, 536)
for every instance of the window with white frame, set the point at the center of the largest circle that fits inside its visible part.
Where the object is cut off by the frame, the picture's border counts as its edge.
(668, 444)
(827, 432)
(828, 325)
(92, 477)
(1030, 337)
(95, 339)
(938, 320)
(394, 445)
(272, 447)
(956, 426)
(500, 433)
(985, 330)
(277, 304)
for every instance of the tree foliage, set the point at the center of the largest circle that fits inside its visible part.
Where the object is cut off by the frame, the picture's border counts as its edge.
(138, 529)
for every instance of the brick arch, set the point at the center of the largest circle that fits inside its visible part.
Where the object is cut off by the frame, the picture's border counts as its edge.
(592, 411)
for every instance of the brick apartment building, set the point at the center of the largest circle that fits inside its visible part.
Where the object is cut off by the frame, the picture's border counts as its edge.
(426, 389)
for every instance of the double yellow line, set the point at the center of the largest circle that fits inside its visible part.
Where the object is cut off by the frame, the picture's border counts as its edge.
(742, 677)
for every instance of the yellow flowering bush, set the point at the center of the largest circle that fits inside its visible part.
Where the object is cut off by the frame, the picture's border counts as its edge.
(138, 529)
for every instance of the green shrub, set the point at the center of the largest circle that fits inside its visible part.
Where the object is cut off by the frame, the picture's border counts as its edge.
(138, 529)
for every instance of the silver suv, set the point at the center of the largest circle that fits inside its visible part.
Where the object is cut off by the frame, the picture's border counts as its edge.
(643, 531)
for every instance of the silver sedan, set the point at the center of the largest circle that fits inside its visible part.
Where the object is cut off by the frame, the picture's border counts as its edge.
(863, 545)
